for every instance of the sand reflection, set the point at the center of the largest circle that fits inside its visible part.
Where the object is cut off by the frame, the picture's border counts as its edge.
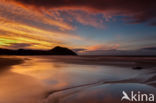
(19, 88)
(41, 79)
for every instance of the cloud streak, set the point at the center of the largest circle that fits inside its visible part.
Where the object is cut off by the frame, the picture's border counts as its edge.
(42, 29)
(137, 11)
(16, 13)
(14, 33)
(104, 47)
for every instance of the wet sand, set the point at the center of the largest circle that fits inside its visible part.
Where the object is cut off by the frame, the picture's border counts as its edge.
(7, 62)
(18, 88)
(44, 79)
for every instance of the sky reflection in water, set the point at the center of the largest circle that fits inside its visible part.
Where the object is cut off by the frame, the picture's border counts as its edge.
(60, 74)
(30, 81)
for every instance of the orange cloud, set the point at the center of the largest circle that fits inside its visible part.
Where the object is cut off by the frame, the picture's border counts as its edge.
(54, 18)
(17, 13)
(39, 38)
(103, 47)
(42, 28)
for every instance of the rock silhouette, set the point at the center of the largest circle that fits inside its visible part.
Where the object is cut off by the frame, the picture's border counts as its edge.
(61, 51)
(55, 51)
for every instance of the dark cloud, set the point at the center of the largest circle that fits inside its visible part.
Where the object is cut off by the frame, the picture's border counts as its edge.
(149, 51)
(149, 48)
(20, 45)
(79, 50)
(137, 10)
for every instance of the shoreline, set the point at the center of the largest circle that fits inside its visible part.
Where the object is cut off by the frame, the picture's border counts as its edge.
(7, 62)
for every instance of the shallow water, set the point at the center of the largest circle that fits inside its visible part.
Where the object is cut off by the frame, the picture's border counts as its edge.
(49, 79)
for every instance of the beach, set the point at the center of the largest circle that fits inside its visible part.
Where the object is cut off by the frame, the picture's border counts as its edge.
(74, 79)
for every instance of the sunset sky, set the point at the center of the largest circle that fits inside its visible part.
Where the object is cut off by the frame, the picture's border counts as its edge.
(86, 26)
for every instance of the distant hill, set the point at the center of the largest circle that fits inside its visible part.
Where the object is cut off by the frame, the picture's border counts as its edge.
(55, 51)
